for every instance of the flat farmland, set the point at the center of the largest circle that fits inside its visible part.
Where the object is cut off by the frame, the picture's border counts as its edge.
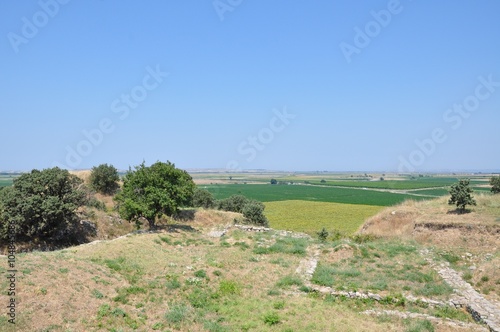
(309, 208)
(392, 184)
(311, 217)
(432, 192)
(273, 193)
(5, 180)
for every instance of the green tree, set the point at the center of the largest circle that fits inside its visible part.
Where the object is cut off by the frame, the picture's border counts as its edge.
(234, 203)
(104, 179)
(203, 198)
(41, 206)
(495, 184)
(461, 195)
(274, 181)
(150, 192)
(254, 213)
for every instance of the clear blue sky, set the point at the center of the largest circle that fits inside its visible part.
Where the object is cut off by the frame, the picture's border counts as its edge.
(356, 84)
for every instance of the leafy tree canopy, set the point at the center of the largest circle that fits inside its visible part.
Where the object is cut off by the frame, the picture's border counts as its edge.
(104, 179)
(254, 213)
(495, 184)
(461, 195)
(150, 192)
(203, 198)
(41, 205)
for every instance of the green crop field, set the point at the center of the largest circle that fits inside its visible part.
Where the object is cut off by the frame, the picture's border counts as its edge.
(271, 193)
(5, 181)
(311, 217)
(392, 184)
(432, 192)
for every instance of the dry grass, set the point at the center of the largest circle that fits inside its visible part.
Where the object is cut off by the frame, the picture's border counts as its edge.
(401, 220)
(141, 277)
(107, 200)
(82, 174)
(59, 288)
(471, 238)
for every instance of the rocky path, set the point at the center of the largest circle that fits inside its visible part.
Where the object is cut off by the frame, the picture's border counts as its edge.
(307, 266)
(480, 308)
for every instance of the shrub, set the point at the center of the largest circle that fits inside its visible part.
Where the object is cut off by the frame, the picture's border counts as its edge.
(118, 312)
(199, 298)
(272, 318)
(279, 304)
(323, 235)
(103, 310)
(495, 184)
(229, 287)
(172, 283)
(200, 274)
(104, 179)
(203, 198)
(95, 203)
(234, 203)
(42, 206)
(254, 213)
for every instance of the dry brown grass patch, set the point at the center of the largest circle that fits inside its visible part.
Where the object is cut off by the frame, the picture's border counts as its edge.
(55, 289)
(337, 254)
(82, 174)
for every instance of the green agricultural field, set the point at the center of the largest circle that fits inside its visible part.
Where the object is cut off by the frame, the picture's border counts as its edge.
(5, 182)
(393, 184)
(311, 217)
(432, 192)
(272, 193)
(6, 179)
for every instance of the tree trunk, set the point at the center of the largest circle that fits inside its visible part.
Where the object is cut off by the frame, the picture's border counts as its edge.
(152, 225)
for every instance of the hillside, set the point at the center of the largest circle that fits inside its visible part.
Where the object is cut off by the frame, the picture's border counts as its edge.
(470, 242)
(203, 274)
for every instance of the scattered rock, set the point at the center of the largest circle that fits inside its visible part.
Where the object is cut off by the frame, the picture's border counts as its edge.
(406, 315)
